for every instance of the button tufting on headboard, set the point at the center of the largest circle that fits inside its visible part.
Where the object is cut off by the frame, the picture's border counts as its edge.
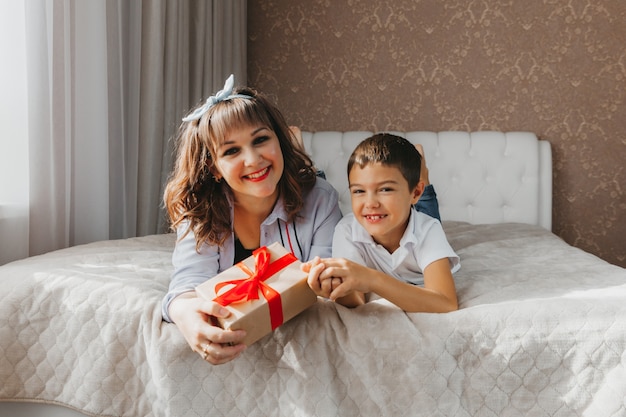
(479, 177)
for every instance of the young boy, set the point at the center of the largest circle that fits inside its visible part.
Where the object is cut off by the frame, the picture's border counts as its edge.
(385, 246)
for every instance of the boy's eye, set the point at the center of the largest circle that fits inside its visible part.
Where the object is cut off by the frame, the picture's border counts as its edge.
(357, 191)
(386, 189)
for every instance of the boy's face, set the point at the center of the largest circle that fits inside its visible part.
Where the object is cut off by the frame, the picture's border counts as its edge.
(381, 202)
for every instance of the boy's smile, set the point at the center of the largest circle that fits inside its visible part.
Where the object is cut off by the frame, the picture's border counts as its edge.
(374, 218)
(381, 202)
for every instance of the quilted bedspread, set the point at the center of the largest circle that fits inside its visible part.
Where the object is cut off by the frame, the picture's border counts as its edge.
(541, 332)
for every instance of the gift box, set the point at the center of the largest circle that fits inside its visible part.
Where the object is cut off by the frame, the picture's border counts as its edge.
(261, 292)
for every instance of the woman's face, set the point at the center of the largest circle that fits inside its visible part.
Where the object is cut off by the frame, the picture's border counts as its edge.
(251, 162)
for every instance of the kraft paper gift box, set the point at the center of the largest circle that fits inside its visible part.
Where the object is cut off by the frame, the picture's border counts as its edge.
(261, 292)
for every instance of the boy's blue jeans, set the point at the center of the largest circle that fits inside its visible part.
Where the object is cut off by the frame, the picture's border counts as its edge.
(428, 203)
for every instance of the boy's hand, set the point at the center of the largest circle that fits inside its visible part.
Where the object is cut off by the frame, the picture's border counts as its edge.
(344, 277)
(321, 287)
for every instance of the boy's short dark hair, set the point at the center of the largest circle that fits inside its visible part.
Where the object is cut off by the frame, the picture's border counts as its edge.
(389, 150)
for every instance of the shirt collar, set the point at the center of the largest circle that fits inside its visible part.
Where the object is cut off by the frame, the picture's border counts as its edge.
(278, 212)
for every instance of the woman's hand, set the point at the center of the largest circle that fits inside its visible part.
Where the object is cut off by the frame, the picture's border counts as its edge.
(347, 277)
(322, 287)
(193, 316)
(334, 278)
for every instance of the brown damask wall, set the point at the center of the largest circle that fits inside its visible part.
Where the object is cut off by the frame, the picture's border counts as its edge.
(554, 67)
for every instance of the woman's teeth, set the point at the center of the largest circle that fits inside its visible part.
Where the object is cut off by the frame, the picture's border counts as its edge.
(258, 174)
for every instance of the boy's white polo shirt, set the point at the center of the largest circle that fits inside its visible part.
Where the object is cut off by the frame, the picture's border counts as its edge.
(423, 242)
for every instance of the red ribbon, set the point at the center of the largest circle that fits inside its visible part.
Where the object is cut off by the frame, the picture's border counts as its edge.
(248, 288)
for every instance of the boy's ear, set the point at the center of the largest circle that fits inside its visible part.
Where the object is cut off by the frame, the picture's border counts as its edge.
(417, 192)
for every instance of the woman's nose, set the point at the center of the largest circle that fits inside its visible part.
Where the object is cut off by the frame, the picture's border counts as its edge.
(251, 156)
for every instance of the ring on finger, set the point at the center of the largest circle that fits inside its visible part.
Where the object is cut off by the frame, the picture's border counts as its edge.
(205, 350)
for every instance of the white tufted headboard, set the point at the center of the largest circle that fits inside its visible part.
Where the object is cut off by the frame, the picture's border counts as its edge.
(479, 177)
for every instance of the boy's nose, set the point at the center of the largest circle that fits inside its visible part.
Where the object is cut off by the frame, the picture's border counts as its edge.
(371, 200)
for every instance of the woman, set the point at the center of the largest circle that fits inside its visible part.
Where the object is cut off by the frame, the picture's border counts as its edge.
(240, 182)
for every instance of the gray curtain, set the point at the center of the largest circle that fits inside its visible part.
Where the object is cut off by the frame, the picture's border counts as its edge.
(107, 84)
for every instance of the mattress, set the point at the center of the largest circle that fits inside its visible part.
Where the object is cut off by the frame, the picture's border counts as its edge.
(541, 330)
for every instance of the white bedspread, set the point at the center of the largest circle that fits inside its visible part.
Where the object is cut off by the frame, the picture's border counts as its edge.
(541, 332)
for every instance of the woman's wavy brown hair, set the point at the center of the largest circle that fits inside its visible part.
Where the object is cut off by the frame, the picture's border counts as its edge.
(192, 194)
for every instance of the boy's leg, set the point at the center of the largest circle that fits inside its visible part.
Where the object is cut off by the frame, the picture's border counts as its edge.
(427, 203)
(423, 167)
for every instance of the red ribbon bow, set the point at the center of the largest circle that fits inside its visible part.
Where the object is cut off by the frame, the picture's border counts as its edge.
(248, 288)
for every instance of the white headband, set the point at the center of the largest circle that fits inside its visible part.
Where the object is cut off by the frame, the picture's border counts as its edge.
(224, 94)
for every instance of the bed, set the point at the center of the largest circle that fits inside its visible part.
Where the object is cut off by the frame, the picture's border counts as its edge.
(541, 329)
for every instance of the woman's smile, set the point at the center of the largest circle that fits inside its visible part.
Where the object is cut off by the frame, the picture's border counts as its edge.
(258, 175)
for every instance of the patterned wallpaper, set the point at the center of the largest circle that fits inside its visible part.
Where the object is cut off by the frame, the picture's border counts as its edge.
(553, 67)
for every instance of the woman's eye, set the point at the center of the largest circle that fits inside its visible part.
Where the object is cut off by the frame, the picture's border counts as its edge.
(261, 139)
(230, 151)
